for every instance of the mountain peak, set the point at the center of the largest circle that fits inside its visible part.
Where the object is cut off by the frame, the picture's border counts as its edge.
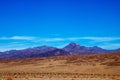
(72, 47)
(76, 48)
(73, 44)
(96, 47)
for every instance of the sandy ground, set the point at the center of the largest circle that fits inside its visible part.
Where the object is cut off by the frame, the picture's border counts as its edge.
(68, 64)
(59, 66)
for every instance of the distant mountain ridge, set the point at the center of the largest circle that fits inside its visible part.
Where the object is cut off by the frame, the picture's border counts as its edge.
(35, 52)
(46, 51)
(75, 48)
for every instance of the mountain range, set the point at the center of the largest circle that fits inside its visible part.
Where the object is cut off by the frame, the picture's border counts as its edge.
(46, 51)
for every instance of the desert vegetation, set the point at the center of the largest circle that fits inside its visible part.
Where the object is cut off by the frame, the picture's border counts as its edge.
(10, 76)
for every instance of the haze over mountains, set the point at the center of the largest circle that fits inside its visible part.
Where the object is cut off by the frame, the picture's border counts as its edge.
(46, 51)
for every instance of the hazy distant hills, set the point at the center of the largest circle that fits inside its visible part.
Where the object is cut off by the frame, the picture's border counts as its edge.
(46, 51)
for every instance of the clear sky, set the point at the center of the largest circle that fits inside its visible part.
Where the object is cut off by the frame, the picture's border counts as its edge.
(29, 23)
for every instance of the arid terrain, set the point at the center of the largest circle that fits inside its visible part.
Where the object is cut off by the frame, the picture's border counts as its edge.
(90, 64)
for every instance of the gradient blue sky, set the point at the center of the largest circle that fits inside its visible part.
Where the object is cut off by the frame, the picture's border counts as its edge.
(29, 23)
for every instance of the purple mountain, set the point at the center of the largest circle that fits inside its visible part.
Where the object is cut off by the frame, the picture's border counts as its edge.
(43, 51)
(75, 48)
(46, 51)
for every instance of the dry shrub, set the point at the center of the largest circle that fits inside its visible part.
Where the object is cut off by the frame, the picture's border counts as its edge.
(9, 78)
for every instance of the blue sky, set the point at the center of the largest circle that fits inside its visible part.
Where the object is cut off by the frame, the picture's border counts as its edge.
(29, 23)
